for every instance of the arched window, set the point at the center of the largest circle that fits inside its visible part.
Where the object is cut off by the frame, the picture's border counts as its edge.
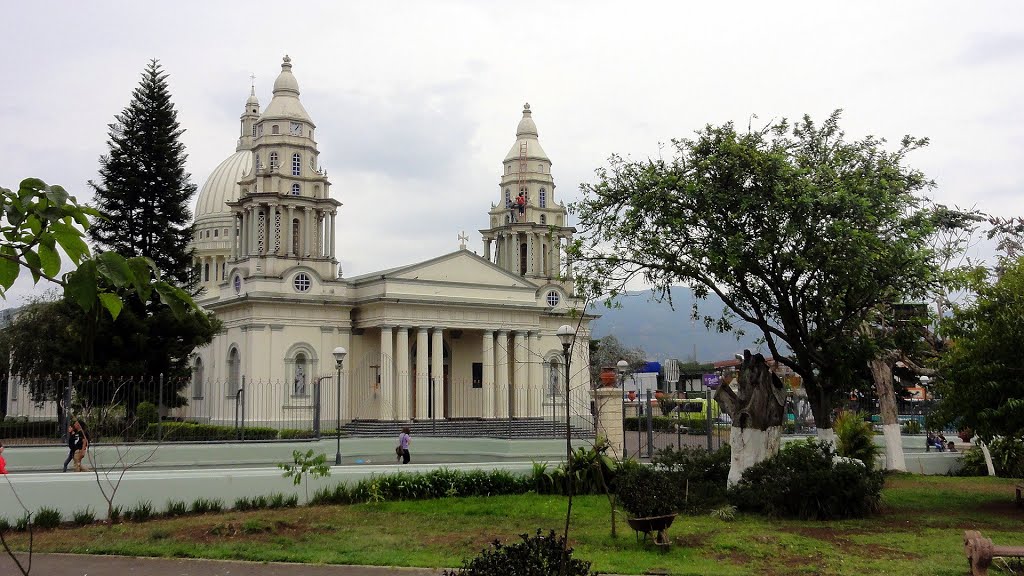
(296, 165)
(274, 129)
(197, 378)
(301, 370)
(295, 237)
(296, 189)
(234, 372)
(508, 169)
(543, 198)
(273, 160)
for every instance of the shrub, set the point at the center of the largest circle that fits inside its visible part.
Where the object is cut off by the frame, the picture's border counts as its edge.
(22, 524)
(176, 508)
(190, 431)
(855, 438)
(295, 434)
(700, 476)
(47, 518)
(260, 502)
(115, 514)
(146, 413)
(534, 555)
(5, 524)
(83, 517)
(24, 428)
(804, 481)
(693, 423)
(305, 465)
(242, 504)
(912, 427)
(276, 500)
(1007, 457)
(142, 512)
(204, 505)
(646, 491)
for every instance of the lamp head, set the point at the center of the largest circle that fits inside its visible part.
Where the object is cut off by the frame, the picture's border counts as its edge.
(566, 335)
(339, 355)
(622, 366)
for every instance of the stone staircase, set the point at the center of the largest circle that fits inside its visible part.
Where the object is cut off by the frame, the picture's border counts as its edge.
(469, 428)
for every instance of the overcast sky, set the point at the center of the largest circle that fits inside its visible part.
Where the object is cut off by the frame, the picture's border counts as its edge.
(416, 103)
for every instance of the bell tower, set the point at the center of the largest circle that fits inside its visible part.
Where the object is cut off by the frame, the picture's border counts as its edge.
(528, 231)
(285, 214)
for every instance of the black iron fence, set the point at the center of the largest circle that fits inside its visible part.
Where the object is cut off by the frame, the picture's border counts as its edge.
(188, 410)
(655, 422)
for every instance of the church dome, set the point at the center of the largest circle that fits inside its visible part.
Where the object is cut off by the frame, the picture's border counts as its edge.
(526, 133)
(222, 186)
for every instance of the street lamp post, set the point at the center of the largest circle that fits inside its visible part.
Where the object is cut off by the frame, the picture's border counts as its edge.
(566, 335)
(339, 357)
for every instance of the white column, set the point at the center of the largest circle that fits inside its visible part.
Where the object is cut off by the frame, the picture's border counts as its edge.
(387, 375)
(501, 375)
(232, 237)
(402, 385)
(288, 227)
(307, 233)
(421, 373)
(520, 375)
(530, 252)
(437, 368)
(535, 392)
(487, 351)
(487, 249)
(333, 232)
(268, 229)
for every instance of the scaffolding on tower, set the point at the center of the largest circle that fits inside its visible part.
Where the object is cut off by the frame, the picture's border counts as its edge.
(521, 175)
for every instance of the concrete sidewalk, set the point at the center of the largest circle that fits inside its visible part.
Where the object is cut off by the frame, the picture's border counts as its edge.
(84, 565)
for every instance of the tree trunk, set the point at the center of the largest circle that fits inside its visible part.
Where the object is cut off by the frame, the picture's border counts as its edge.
(821, 409)
(750, 446)
(881, 373)
(988, 458)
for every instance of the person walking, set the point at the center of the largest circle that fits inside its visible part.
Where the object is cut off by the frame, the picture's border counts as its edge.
(72, 442)
(3, 463)
(403, 443)
(81, 446)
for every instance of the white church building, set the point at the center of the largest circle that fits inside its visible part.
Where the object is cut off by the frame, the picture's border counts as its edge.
(457, 336)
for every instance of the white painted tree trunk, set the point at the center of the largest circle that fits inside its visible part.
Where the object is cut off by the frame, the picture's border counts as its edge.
(988, 458)
(894, 458)
(750, 446)
(827, 435)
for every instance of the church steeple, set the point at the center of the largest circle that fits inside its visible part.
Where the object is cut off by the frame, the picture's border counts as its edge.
(285, 210)
(527, 225)
(250, 114)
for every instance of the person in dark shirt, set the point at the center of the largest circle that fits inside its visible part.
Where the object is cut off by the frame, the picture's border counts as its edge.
(81, 447)
(73, 441)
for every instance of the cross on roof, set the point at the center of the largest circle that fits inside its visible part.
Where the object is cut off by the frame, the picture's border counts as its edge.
(462, 240)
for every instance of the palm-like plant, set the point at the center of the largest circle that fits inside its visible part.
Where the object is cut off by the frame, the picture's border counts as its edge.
(855, 438)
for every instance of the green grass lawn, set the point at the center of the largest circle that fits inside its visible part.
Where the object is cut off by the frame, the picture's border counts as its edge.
(919, 531)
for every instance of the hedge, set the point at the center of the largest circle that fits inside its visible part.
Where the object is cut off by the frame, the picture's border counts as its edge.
(189, 431)
(667, 424)
(19, 428)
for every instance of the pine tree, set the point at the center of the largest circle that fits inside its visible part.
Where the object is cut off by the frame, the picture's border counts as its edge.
(144, 189)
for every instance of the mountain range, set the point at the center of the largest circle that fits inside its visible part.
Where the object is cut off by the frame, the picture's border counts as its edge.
(663, 332)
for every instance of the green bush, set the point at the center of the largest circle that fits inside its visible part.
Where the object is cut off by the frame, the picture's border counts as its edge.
(5, 525)
(204, 505)
(1007, 457)
(191, 432)
(24, 428)
(805, 481)
(911, 427)
(700, 476)
(142, 512)
(694, 423)
(176, 508)
(146, 413)
(534, 555)
(295, 434)
(83, 517)
(646, 491)
(47, 518)
(855, 438)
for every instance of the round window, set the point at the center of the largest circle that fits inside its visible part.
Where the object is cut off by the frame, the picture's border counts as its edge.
(553, 298)
(302, 282)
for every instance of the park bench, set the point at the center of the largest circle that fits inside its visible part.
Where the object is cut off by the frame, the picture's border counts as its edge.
(980, 552)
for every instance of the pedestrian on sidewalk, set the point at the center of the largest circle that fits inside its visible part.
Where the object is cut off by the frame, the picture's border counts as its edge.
(403, 444)
(81, 446)
(72, 441)
(3, 463)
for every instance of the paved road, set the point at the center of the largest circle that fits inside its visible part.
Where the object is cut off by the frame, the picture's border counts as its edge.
(81, 565)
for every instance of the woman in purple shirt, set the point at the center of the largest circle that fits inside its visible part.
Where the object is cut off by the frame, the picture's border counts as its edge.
(403, 443)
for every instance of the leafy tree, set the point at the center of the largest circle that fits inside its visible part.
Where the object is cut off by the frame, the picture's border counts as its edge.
(982, 385)
(144, 189)
(800, 232)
